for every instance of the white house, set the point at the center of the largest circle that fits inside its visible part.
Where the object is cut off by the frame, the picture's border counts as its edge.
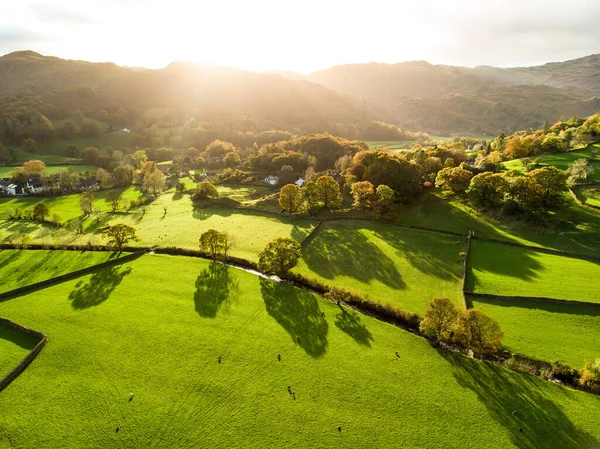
(272, 179)
(14, 189)
(299, 182)
(35, 184)
(126, 130)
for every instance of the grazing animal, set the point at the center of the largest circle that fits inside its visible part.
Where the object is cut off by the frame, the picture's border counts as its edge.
(131, 397)
(339, 428)
(219, 359)
(397, 355)
(117, 430)
(289, 389)
(279, 357)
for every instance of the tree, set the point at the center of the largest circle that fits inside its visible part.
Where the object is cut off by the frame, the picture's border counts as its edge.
(205, 190)
(279, 256)
(487, 190)
(88, 129)
(478, 332)
(232, 160)
(40, 211)
(215, 243)
(364, 195)
(440, 318)
(114, 197)
(86, 202)
(200, 161)
(119, 235)
(553, 183)
(384, 205)
(123, 175)
(590, 375)
(30, 145)
(290, 198)
(580, 170)
(552, 144)
(155, 182)
(310, 196)
(103, 177)
(140, 157)
(287, 175)
(90, 155)
(217, 149)
(329, 192)
(34, 167)
(455, 179)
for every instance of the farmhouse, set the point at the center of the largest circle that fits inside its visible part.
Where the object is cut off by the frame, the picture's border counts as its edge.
(299, 182)
(35, 184)
(272, 179)
(88, 184)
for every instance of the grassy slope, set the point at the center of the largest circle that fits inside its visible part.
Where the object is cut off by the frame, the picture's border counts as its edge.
(19, 268)
(14, 346)
(588, 194)
(404, 267)
(107, 340)
(66, 206)
(563, 160)
(5, 172)
(513, 271)
(547, 331)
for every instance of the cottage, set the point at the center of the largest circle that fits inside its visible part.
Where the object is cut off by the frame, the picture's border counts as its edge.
(4, 183)
(88, 184)
(299, 182)
(14, 189)
(272, 179)
(35, 184)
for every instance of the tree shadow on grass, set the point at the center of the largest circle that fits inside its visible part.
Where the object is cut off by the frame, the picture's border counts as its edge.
(557, 306)
(433, 254)
(177, 196)
(16, 337)
(543, 423)
(348, 252)
(349, 321)
(212, 289)
(298, 312)
(98, 288)
(300, 233)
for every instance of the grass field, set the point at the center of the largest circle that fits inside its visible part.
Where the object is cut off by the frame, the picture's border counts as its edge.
(6, 171)
(400, 266)
(512, 271)
(588, 194)
(563, 160)
(14, 346)
(547, 331)
(19, 267)
(21, 156)
(67, 206)
(107, 340)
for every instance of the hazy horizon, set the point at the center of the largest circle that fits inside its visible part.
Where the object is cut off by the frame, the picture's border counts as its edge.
(302, 37)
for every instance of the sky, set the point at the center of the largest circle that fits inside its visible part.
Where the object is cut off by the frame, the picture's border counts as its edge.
(303, 36)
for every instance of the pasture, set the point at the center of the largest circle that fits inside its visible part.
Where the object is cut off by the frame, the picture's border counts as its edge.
(562, 160)
(400, 266)
(547, 330)
(132, 330)
(14, 346)
(588, 194)
(6, 171)
(513, 271)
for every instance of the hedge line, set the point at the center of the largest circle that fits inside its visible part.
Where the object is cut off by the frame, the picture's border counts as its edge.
(532, 298)
(10, 377)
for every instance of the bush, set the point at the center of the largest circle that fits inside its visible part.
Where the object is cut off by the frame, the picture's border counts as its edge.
(563, 372)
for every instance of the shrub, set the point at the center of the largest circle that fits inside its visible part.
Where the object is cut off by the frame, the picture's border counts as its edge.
(563, 372)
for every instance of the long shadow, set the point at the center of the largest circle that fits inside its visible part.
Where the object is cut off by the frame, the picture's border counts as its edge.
(349, 321)
(339, 252)
(98, 288)
(432, 254)
(177, 196)
(299, 234)
(537, 421)
(21, 339)
(564, 307)
(212, 289)
(298, 312)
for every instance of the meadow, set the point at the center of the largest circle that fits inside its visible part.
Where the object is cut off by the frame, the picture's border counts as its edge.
(513, 271)
(547, 330)
(403, 267)
(14, 346)
(562, 160)
(6, 171)
(130, 329)
(19, 267)
(588, 194)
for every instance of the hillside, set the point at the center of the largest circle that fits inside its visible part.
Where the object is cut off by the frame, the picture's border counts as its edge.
(209, 93)
(443, 99)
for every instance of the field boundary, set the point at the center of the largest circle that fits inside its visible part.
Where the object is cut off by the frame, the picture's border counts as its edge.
(311, 236)
(67, 276)
(463, 286)
(10, 377)
(580, 202)
(532, 298)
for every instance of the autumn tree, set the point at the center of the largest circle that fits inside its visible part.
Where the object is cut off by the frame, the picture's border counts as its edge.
(290, 198)
(329, 192)
(119, 235)
(205, 190)
(279, 256)
(455, 179)
(478, 332)
(86, 202)
(34, 167)
(487, 190)
(384, 204)
(364, 195)
(310, 197)
(232, 160)
(215, 243)
(553, 183)
(154, 182)
(580, 171)
(440, 318)
(90, 155)
(41, 211)
(114, 197)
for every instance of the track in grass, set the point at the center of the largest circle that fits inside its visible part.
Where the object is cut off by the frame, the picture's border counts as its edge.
(400, 266)
(161, 340)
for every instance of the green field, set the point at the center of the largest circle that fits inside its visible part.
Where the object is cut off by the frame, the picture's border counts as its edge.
(588, 194)
(513, 271)
(6, 171)
(546, 330)
(562, 160)
(139, 332)
(404, 267)
(67, 206)
(19, 267)
(21, 156)
(14, 346)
